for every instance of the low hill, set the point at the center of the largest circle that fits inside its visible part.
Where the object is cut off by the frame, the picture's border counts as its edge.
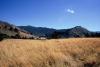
(12, 31)
(71, 52)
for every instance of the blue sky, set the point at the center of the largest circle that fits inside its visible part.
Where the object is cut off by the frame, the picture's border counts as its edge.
(57, 14)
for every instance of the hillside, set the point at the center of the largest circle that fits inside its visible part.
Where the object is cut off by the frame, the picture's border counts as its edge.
(38, 31)
(74, 32)
(75, 52)
(8, 30)
(11, 31)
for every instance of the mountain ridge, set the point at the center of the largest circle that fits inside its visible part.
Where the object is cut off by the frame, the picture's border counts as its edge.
(77, 31)
(32, 32)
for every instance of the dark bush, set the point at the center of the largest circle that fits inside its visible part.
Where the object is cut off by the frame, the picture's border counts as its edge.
(3, 36)
(17, 36)
(16, 30)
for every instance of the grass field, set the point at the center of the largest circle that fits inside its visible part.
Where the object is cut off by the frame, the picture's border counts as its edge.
(72, 52)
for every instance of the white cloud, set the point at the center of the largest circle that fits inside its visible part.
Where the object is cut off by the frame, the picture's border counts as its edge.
(69, 11)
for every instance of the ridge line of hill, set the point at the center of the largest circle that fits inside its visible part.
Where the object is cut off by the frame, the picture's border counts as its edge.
(30, 32)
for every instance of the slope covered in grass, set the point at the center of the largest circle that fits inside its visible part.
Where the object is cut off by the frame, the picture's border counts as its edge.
(76, 52)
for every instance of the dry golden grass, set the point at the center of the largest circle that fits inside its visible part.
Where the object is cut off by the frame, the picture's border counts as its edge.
(75, 52)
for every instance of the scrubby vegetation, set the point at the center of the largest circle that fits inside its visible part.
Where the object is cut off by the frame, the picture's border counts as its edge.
(3, 36)
(76, 52)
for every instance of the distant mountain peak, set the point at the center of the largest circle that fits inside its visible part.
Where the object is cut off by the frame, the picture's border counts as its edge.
(78, 27)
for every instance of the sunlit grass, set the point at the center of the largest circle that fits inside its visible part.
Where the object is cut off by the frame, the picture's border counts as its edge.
(72, 52)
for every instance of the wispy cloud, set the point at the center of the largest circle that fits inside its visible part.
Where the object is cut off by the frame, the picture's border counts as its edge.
(65, 14)
(69, 11)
